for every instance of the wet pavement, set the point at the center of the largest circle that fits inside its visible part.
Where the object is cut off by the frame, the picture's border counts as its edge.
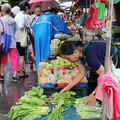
(11, 92)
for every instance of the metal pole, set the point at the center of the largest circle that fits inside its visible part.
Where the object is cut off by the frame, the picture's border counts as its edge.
(107, 56)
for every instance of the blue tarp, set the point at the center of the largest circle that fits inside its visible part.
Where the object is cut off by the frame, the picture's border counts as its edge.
(69, 114)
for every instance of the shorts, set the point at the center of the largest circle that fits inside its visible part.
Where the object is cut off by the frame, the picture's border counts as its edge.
(20, 49)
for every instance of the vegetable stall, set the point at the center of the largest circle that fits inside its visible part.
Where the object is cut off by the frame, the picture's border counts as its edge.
(34, 105)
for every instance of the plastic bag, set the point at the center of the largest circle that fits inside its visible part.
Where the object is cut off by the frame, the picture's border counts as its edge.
(23, 41)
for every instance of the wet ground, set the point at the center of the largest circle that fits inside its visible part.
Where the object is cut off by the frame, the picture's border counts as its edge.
(11, 92)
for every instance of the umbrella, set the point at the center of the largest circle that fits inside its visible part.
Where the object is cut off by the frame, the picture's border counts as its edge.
(44, 4)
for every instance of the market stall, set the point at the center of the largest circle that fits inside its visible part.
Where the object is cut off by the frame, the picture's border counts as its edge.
(45, 102)
(34, 105)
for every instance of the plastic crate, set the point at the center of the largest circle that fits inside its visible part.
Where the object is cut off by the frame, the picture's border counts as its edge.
(47, 85)
(80, 92)
(62, 85)
(81, 85)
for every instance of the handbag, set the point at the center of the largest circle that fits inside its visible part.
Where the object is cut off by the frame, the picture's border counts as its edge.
(23, 40)
(6, 39)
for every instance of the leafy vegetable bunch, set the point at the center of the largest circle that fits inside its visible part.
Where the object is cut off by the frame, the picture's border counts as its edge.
(88, 111)
(67, 98)
(30, 106)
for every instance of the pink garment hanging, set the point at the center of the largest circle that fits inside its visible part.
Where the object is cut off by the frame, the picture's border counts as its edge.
(107, 82)
(92, 22)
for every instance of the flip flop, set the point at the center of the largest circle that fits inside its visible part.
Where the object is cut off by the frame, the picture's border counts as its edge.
(14, 79)
(1, 78)
(24, 76)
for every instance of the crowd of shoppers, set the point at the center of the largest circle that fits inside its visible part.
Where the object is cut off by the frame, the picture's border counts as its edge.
(13, 25)
(42, 28)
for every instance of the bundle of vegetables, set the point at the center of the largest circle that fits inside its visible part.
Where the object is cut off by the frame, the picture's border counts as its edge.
(66, 97)
(56, 113)
(88, 111)
(30, 106)
(27, 112)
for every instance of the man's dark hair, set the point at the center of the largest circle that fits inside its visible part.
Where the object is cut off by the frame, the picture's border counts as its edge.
(23, 5)
(51, 9)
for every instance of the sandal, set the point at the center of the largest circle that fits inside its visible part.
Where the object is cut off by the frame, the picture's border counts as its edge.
(14, 79)
(2, 78)
(24, 76)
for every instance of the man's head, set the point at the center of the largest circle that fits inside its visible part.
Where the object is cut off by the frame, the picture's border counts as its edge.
(53, 10)
(37, 10)
(24, 6)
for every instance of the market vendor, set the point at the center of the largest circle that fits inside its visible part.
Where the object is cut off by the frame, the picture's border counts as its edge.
(92, 54)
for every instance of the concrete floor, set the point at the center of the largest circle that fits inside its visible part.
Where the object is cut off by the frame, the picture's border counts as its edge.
(11, 92)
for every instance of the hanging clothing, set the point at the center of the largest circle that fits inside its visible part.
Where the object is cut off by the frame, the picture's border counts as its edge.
(92, 22)
(46, 26)
(100, 9)
(107, 82)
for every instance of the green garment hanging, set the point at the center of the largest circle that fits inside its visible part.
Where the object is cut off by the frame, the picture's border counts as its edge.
(100, 8)
(116, 72)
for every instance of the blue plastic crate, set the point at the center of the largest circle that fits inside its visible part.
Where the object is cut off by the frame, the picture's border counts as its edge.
(81, 85)
(47, 85)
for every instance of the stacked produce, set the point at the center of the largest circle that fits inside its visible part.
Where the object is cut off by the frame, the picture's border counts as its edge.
(54, 46)
(59, 62)
(87, 111)
(59, 70)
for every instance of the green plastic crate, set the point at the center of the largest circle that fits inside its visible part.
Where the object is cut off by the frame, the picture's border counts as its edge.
(80, 92)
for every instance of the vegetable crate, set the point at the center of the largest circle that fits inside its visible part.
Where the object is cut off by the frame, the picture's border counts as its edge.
(80, 92)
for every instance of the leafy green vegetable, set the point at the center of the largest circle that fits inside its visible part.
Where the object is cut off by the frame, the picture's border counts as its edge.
(26, 112)
(30, 106)
(56, 113)
(66, 97)
(61, 62)
(87, 111)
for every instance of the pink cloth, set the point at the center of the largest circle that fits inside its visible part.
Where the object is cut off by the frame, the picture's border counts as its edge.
(107, 82)
(92, 22)
(13, 57)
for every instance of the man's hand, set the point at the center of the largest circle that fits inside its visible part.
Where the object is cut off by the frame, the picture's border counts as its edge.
(90, 100)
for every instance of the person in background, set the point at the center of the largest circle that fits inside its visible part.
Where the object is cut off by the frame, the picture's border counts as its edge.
(46, 26)
(9, 25)
(93, 56)
(15, 10)
(65, 17)
(35, 16)
(22, 22)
